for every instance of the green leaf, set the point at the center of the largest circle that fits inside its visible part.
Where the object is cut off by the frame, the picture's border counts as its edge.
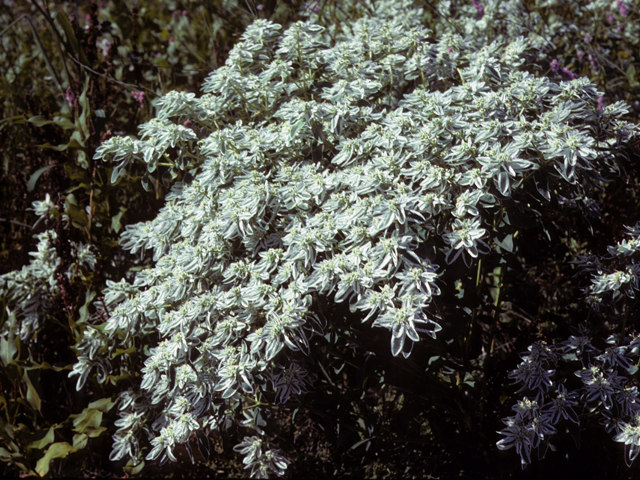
(123, 351)
(116, 224)
(131, 470)
(32, 395)
(78, 215)
(78, 175)
(63, 122)
(39, 121)
(80, 441)
(469, 380)
(89, 419)
(631, 76)
(110, 243)
(6, 430)
(84, 310)
(36, 175)
(13, 371)
(8, 348)
(48, 438)
(79, 139)
(506, 244)
(73, 143)
(104, 404)
(86, 110)
(357, 444)
(96, 432)
(17, 119)
(47, 366)
(57, 450)
(5, 455)
(82, 159)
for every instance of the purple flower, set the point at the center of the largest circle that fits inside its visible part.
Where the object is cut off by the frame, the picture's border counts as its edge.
(579, 54)
(479, 8)
(601, 104)
(587, 38)
(259, 7)
(610, 18)
(595, 64)
(139, 96)
(70, 96)
(568, 74)
(622, 8)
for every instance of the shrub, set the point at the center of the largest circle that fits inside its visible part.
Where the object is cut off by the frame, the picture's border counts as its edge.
(370, 167)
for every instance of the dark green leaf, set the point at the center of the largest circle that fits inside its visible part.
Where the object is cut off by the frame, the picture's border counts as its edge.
(63, 21)
(32, 395)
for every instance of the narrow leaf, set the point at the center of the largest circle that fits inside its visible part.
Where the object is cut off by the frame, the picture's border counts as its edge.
(63, 21)
(357, 444)
(52, 70)
(295, 128)
(36, 175)
(32, 395)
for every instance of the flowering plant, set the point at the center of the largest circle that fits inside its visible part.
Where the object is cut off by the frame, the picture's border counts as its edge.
(359, 173)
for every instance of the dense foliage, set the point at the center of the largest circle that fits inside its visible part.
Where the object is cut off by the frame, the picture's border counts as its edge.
(381, 205)
(73, 74)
